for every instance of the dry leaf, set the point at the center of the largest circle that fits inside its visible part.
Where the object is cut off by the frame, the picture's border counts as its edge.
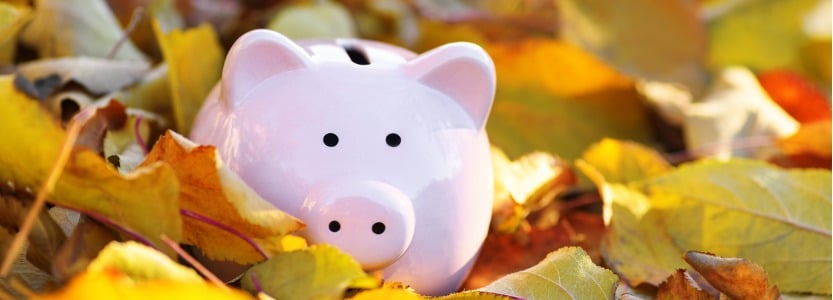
(565, 274)
(77, 28)
(82, 246)
(318, 272)
(12, 19)
(97, 75)
(810, 147)
(32, 141)
(208, 187)
(321, 19)
(191, 77)
(738, 278)
(680, 285)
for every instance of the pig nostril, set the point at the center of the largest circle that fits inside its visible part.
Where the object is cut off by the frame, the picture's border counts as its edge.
(335, 226)
(378, 228)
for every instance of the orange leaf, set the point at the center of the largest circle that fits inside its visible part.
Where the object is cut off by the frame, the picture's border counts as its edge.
(681, 286)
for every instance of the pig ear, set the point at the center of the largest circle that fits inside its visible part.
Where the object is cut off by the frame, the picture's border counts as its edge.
(463, 72)
(255, 56)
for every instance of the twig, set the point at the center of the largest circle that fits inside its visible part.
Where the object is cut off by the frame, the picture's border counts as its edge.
(47, 187)
(750, 142)
(134, 21)
(133, 234)
(191, 260)
(225, 227)
(21, 288)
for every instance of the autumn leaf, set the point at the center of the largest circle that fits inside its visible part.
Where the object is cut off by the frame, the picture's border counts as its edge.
(209, 188)
(322, 19)
(738, 278)
(796, 95)
(77, 28)
(191, 77)
(624, 161)
(680, 285)
(88, 184)
(96, 75)
(548, 93)
(618, 32)
(318, 272)
(565, 274)
(82, 246)
(12, 19)
(810, 147)
(133, 271)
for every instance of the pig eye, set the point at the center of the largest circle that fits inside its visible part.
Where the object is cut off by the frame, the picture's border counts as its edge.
(393, 140)
(330, 139)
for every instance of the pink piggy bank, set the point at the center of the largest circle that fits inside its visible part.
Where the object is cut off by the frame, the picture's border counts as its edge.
(382, 153)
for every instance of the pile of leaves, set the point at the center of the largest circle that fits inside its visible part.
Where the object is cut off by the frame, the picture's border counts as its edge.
(642, 149)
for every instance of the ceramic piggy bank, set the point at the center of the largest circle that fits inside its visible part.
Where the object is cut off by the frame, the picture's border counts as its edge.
(381, 152)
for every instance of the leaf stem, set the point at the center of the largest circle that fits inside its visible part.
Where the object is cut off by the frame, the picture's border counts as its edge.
(138, 134)
(210, 221)
(48, 185)
(191, 260)
(134, 21)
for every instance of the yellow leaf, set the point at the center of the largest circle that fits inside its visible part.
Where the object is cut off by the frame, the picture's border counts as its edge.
(141, 263)
(553, 97)
(209, 188)
(624, 161)
(318, 272)
(567, 273)
(12, 19)
(32, 139)
(778, 218)
(813, 138)
(113, 284)
(194, 59)
(385, 293)
(738, 278)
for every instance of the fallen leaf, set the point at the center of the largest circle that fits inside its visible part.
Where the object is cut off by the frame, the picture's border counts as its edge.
(738, 278)
(760, 35)
(82, 246)
(152, 93)
(796, 95)
(810, 147)
(318, 272)
(736, 108)
(97, 75)
(44, 238)
(680, 285)
(77, 28)
(618, 32)
(12, 19)
(113, 284)
(474, 295)
(141, 263)
(209, 188)
(191, 77)
(624, 161)
(32, 141)
(388, 293)
(565, 274)
(322, 19)
(553, 92)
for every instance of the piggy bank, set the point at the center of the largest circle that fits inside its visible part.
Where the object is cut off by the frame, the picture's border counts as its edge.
(381, 152)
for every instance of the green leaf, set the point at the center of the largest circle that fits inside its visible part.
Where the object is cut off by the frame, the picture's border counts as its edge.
(617, 31)
(567, 273)
(319, 19)
(318, 272)
(141, 263)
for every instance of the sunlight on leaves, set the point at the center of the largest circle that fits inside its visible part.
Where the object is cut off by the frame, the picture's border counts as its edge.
(318, 272)
(209, 188)
(738, 278)
(566, 273)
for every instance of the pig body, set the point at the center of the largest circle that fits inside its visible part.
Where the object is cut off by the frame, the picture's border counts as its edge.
(381, 152)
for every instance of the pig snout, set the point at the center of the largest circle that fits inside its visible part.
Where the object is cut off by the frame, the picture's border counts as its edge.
(370, 220)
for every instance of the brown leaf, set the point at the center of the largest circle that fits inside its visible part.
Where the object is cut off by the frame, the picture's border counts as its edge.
(44, 239)
(680, 285)
(83, 245)
(107, 117)
(738, 278)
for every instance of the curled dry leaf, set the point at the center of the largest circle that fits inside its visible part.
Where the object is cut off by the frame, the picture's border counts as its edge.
(317, 272)
(565, 274)
(738, 278)
(77, 28)
(82, 246)
(680, 285)
(32, 141)
(209, 188)
(191, 77)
